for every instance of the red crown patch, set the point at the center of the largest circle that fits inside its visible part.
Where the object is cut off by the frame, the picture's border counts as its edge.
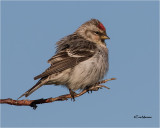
(101, 27)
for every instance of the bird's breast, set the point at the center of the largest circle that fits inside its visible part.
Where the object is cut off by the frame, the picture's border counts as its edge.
(101, 61)
(89, 72)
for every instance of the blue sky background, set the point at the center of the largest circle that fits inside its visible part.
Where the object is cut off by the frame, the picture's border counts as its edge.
(29, 33)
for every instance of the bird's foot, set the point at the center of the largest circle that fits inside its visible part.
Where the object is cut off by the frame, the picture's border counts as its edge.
(72, 93)
(95, 88)
(91, 89)
(88, 89)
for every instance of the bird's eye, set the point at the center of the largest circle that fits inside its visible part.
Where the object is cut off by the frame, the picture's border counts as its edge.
(97, 33)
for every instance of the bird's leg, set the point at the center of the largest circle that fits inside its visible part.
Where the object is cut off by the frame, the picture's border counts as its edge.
(72, 93)
(88, 89)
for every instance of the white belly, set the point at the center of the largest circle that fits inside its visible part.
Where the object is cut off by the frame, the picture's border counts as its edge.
(89, 72)
(86, 73)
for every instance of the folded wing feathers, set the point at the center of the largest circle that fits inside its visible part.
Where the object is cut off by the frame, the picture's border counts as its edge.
(68, 56)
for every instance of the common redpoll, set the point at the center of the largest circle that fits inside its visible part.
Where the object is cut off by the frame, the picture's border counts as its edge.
(81, 59)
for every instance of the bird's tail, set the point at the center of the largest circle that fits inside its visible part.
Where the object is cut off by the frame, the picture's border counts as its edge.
(34, 88)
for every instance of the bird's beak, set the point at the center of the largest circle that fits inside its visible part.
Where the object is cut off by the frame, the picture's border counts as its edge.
(104, 37)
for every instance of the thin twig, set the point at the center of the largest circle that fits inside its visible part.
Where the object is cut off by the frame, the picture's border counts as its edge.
(33, 103)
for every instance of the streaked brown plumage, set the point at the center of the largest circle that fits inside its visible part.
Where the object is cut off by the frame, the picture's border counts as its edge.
(80, 61)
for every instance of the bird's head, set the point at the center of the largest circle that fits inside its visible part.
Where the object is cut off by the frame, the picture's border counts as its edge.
(93, 30)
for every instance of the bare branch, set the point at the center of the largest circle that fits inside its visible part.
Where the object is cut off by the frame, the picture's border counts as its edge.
(33, 103)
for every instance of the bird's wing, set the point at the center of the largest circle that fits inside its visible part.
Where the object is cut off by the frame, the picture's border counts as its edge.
(66, 59)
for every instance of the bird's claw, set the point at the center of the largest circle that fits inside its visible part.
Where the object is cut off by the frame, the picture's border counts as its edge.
(89, 91)
(72, 93)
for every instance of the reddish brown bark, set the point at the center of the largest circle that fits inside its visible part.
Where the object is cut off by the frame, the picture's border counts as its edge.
(33, 103)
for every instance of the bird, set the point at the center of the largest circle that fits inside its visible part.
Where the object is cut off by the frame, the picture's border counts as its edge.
(80, 60)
